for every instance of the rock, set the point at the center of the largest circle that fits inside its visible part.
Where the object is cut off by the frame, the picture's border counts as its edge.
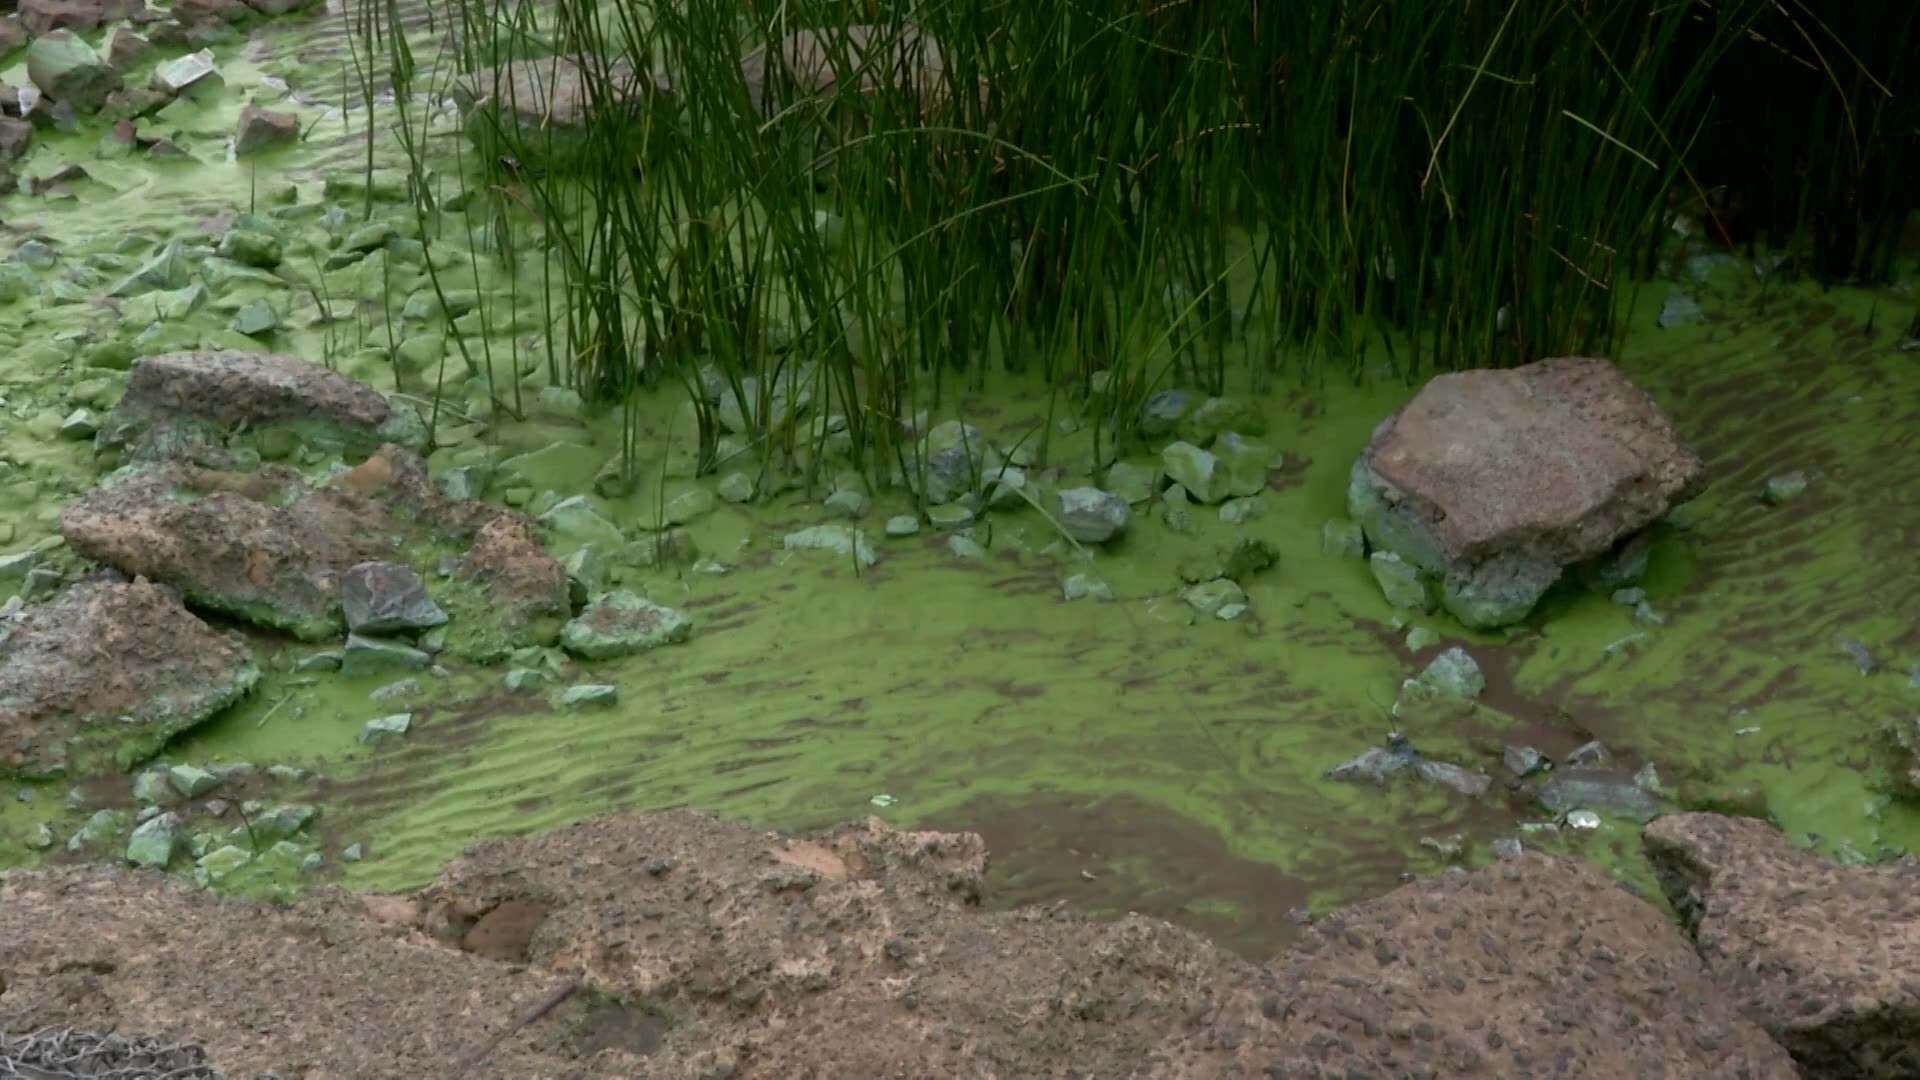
(1217, 415)
(153, 843)
(949, 474)
(622, 623)
(1195, 470)
(384, 727)
(1241, 511)
(1598, 789)
(98, 831)
(902, 525)
(962, 546)
(193, 75)
(1376, 764)
(1135, 483)
(1401, 582)
(1861, 656)
(1090, 515)
(255, 319)
(575, 521)
(281, 822)
(1524, 761)
(70, 704)
(67, 70)
(1211, 597)
(842, 540)
(41, 17)
(125, 49)
(79, 425)
(1006, 485)
(1076, 586)
(1245, 461)
(372, 656)
(1679, 309)
(39, 837)
(950, 516)
(1161, 413)
(166, 270)
(386, 598)
(264, 129)
(15, 134)
(1781, 487)
(905, 59)
(192, 782)
(736, 487)
(1497, 480)
(1455, 672)
(540, 109)
(174, 395)
(849, 503)
(587, 696)
(1818, 953)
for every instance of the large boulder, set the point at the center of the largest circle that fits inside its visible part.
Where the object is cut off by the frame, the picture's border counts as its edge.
(1496, 481)
(175, 397)
(1825, 956)
(104, 673)
(268, 547)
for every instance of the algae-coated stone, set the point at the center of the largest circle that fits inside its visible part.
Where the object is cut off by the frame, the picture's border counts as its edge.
(1783, 486)
(902, 525)
(1090, 515)
(1230, 612)
(1005, 485)
(352, 853)
(153, 843)
(839, 539)
(688, 506)
(1245, 461)
(167, 269)
(383, 727)
(255, 319)
(39, 836)
(736, 487)
(223, 861)
(369, 655)
(79, 424)
(154, 787)
(574, 519)
(66, 69)
(1401, 582)
(192, 781)
(524, 678)
(1219, 414)
(1421, 637)
(1496, 598)
(324, 660)
(100, 828)
(1160, 414)
(1081, 585)
(962, 546)
(249, 247)
(950, 516)
(622, 623)
(284, 821)
(587, 695)
(1196, 471)
(1209, 597)
(1342, 539)
(1455, 672)
(288, 774)
(849, 503)
(1241, 511)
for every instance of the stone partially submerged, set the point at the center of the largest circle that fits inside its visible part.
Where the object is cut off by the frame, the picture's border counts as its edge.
(1496, 481)
(1822, 955)
(541, 109)
(104, 673)
(178, 397)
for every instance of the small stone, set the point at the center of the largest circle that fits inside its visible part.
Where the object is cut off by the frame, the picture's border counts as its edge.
(1241, 511)
(193, 75)
(383, 727)
(1421, 637)
(1679, 309)
(263, 129)
(1209, 597)
(1160, 414)
(1217, 415)
(1506, 847)
(1591, 754)
(369, 655)
(68, 71)
(288, 774)
(849, 503)
(1523, 760)
(574, 519)
(192, 782)
(1455, 672)
(284, 821)
(311, 862)
(1861, 656)
(1245, 461)
(962, 546)
(1401, 582)
(222, 862)
(79, 424)
(153, 843)
(324, 660)
(1006, 485)
(1342, 539)
(839, 539)
(256, 318)
(1079, 585)
(98, 830)
(736, 487)
(352, 853)
(1783, 486)
(1090, 515)
(688, 506)
(902, 525)
(621, 623)
(524, 679)
(587, 695)
(1196, 470)
(1134, 483)
(949, 516)
(39, 837)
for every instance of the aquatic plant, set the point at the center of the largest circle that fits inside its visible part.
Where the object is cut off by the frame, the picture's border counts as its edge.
(770, 203)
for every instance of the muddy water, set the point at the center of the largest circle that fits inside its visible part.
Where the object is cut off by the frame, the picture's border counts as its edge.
(1120, 755)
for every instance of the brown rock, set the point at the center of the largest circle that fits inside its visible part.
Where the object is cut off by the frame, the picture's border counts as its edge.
(105, 673)
(906, 58)
(38, 17)
(171, 393)
(1826, 957)
(188, 12)
(126, 48)
(529, 584)
(14, 136)
(262, 129)
(1509, 476)
(12, 34)
(541, 107)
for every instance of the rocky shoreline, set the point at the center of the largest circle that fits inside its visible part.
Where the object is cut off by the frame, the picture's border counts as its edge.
(677, 945)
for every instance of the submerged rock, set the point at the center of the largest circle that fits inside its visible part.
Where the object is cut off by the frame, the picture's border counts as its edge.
(839, 539)
(1609, 791)
(1818, 953)
(1495, 481)
(540, 109)
(264, 129)
(1376, 764)
(104, 674)
(622, 623)
(1090, 515)
(1780, 487)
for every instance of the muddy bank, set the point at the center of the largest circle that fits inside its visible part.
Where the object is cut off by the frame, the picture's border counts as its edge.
(677, 945)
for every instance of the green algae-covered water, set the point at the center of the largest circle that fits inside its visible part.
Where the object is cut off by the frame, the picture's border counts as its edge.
(1122, 754)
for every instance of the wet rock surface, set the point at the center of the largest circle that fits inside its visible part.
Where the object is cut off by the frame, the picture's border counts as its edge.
(1495, 481)
(676, 945)
(229, 390)
(1824, 956)
(106, 673)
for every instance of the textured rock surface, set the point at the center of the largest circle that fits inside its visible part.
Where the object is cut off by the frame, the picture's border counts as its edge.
(228, 390)
(1826, 957)
(1496, 480)
(106, 673)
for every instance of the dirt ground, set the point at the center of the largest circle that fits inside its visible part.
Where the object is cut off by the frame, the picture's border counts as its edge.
(675, 945)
